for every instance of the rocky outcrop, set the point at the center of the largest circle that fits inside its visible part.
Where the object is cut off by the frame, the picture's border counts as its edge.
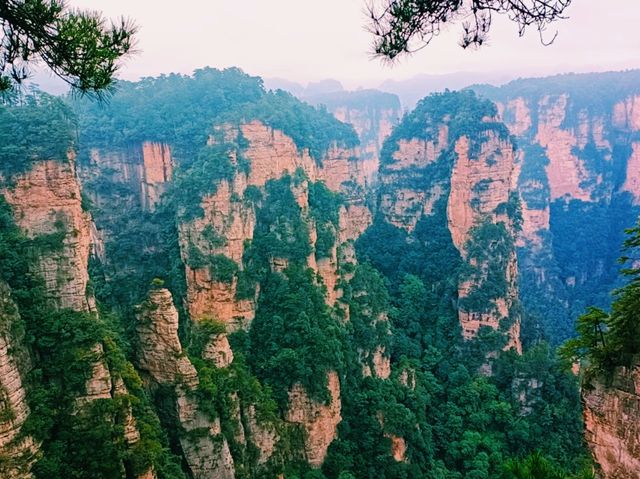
(161, 356)
(138, 175)
(47, 206)
(377, 364)
(228, 222)
(372, 127)
(632, 177)
(17, 451)
(479, 185)
(218, 351)
(612, 427)
(398, 445)
(157, 169)
(320, 421)
(46, 202)
(481, 189)
(626, 113)
(398, 448)
(474, 175)
(263, 435)
(577, 172)
(204, 447)
(373, 115)
(566, 172)
(401, 206)
(160, 353)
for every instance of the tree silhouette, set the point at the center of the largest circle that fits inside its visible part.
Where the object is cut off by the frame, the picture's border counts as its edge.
(404, 26)
(82, 48)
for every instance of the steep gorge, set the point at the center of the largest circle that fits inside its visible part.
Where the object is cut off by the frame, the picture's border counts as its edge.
(577, 136)
(256, 308)
(578, 183)
(442, 174)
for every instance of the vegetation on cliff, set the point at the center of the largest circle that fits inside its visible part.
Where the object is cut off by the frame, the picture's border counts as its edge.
(181, 110)
(75, 443)
(407, 379)
(562, 273)
(607, 340)
(37, 128)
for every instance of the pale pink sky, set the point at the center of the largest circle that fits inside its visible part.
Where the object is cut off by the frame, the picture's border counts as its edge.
(307, 40)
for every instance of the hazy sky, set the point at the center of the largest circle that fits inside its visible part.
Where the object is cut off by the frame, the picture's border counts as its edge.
(307, 40)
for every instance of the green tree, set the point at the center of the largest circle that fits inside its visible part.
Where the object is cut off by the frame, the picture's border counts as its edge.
(404, 26)
(590, 343)
(610, 340)
(82, 48)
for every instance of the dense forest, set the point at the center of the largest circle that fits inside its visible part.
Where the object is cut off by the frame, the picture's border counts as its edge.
(580, 270)
(377, 313)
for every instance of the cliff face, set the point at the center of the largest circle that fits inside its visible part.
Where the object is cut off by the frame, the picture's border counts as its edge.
(441, 173)
(47, 209)
(270, 350)
(46, 201)
(611, 421)
(18, 452)
(318, 420)
(157, 169)
(577, 172)
(134, 176)
(161, 356)
(373, 115)
(481, 192)
(271, 155)
(578, 179)
(217, 247)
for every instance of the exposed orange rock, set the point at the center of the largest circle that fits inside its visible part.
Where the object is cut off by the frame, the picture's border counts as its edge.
(626, 114)
(160, 353)
(380, 364)
(18, 451)
(534, 223)
(205, 448)
(233, 223)
(99, 385)
(408, 378)
(46, 200)
(565, 170)
(467, 203)
(157, 169)
(519, 118)
(131, 432)
(417, 153)
(161, 356)
(632, 181)
(327, 269)
(372, 129)
(611, 423)
(264, 436)
(320, 421)
(354, 220)
(398, 448)
(403, 207)
(478, 188)
(218, 351)
(272, 154)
